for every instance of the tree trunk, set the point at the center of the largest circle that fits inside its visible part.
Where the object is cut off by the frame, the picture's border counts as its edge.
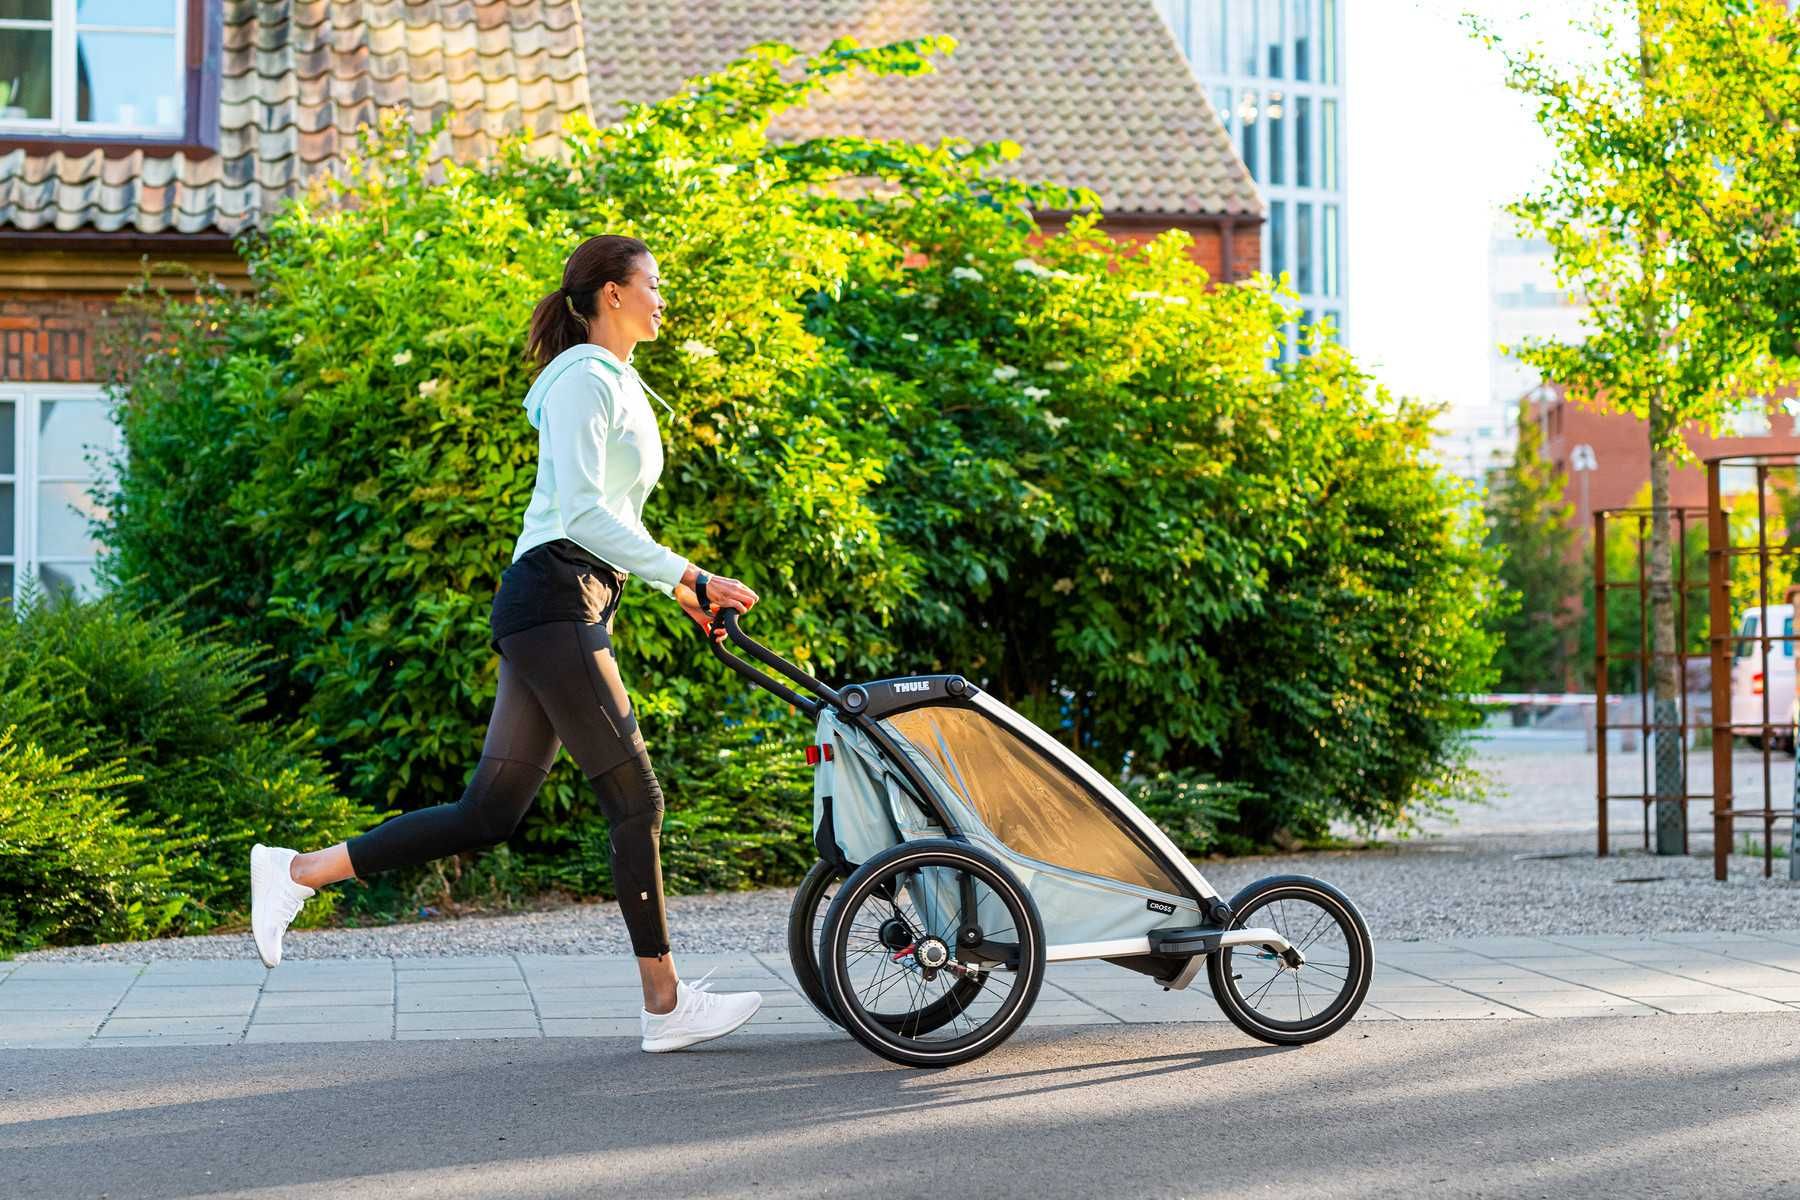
(1667, 735)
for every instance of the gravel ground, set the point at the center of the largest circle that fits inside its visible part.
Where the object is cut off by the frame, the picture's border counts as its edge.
(1522, 864)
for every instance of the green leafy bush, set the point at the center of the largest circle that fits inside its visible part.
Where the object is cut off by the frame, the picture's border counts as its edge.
(74, 866)
(180, 712)
(930, 437)
(1192, 808)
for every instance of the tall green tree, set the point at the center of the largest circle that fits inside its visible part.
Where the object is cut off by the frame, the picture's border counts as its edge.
(1654, 178)
(1528, 520)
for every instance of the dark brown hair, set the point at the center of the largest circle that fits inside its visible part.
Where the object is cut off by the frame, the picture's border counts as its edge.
(560, 319)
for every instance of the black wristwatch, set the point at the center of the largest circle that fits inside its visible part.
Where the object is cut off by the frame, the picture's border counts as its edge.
(700, 578)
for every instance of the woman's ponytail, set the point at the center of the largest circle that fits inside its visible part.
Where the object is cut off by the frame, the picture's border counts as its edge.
(561, 318)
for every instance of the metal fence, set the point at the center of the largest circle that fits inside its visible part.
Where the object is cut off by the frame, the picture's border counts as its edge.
(1774, 479)
(1674, 743)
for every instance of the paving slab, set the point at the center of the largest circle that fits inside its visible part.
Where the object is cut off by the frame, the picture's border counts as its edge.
(466, 1020)
(142, 1027)
(316, 998)
(327, 1014)
(465, 1003)
(361, 1031)
(177, 974)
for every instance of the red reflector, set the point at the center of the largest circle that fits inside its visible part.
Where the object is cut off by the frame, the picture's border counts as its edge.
(1756, 686)
(827, 751)
(812, 756)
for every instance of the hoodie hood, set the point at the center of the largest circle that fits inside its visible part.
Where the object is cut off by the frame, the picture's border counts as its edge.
(554, 370)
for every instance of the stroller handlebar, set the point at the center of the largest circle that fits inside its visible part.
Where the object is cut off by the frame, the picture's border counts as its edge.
(727, 618)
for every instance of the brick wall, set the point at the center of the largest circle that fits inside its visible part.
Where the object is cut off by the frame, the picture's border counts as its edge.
(1208, 250)
(1621, 446)
(49, 337)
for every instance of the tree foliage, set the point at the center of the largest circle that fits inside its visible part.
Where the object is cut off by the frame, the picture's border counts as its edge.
(1528, 520)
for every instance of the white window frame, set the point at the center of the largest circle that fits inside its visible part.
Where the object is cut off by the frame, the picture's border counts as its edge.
(27, 401)
(63, 47)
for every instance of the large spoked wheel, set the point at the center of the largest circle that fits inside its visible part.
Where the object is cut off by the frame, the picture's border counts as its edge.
(806, 922)
(1269, 999)
(930, 928)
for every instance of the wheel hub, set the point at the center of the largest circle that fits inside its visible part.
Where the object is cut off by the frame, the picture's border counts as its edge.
(932, 953)
(896, 934)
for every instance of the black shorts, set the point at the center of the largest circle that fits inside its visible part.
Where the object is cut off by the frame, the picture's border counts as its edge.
(557, 581)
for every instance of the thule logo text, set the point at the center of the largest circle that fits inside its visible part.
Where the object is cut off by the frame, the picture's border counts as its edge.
(921, 686)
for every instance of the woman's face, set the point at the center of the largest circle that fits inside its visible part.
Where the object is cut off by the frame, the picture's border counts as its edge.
(640, 303)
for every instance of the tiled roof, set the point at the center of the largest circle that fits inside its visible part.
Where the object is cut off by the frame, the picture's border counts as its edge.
(297, 80)
(1095, 92)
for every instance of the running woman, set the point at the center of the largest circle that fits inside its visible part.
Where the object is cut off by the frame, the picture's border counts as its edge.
(599, 454)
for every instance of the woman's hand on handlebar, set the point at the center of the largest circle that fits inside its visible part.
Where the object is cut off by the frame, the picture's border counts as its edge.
(721, 592)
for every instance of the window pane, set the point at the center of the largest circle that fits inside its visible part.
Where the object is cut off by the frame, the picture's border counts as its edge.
(139, 14)
(1247, 130)
(59, 579)
(128, 79)
(64, 510)
(1300, 29)
(24, 74)
(1271, 37)
(1303, 249)
(1277, 144)
(6, 584)
(1306, 331)
(1328, 41)
(1277, 237)
(1208, 51)
(1328, 169)
(9, 437)
(1328, 249)
(1243, 37)
(1303, 141)
(68, 431)
(25, 10)
(1221, 99)
(7, 509)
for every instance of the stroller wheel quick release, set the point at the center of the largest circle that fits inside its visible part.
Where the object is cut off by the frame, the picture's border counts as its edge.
(963, 849)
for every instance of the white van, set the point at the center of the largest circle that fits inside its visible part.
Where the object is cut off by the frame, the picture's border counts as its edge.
(1748, 684)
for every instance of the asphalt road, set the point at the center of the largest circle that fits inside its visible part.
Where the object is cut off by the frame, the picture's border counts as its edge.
(1657, 1106)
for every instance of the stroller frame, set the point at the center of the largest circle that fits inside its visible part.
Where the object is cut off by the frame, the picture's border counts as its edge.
(862, 706)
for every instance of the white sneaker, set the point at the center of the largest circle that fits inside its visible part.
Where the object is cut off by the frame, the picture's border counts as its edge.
(275, 898)
(698, 1016)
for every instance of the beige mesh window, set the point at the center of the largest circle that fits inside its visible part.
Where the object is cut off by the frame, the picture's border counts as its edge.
(1026, 801)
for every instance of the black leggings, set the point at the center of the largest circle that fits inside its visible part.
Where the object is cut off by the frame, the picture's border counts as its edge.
(559, 685)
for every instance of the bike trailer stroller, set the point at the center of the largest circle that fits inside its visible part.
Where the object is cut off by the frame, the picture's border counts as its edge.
(962, 848)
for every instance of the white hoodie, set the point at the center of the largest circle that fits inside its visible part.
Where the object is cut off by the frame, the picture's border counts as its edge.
(599, 454)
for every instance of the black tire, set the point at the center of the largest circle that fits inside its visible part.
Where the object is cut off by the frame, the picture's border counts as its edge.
(1342, 962)
(805, 925)
(803, 934)
(848, 951)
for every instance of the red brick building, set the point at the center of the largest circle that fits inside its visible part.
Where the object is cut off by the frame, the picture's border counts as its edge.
(1621, 447)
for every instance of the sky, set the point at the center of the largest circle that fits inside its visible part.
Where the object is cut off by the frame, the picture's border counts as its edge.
(1434, 144)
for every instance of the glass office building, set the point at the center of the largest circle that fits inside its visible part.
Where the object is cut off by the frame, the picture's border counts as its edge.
(1275, 72)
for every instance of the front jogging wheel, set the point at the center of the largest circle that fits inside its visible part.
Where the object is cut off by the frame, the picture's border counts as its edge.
(940, 934)
(1291, 1003)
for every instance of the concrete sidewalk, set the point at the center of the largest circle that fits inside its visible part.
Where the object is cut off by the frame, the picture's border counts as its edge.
(77, 1005)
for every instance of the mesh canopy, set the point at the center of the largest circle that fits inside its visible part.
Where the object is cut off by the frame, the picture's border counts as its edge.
(1025, 800)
